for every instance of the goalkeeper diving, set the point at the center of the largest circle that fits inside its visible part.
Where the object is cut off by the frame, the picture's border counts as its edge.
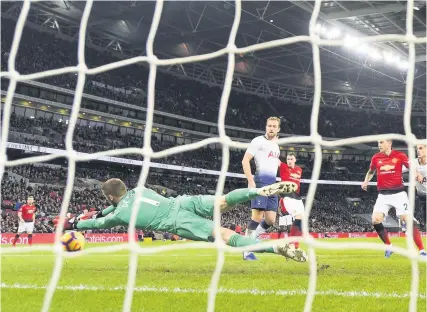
(184, 216)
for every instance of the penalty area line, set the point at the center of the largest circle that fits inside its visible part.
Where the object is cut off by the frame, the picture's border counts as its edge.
(221, 290)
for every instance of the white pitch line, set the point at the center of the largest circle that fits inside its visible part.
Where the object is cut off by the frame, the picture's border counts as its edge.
(34, 255)
(106, 255)
(254, 292)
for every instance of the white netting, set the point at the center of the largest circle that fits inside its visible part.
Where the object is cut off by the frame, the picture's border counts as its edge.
(314, 138)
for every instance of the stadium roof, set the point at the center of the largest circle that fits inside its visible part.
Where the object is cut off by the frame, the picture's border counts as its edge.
(196, 27)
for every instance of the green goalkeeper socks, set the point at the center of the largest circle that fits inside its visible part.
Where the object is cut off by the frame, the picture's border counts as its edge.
(240, 196)
(240, 241)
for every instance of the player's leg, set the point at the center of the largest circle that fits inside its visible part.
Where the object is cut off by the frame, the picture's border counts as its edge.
(272, 203)
(203, 205)
(258, 206)
(21, 229)
(381, 209)
(194, 227)
(258, 224)
(29, 228)
(257, 215)
(235, 240)
(266, 206)
(15, 239)
(295, 208)
(401, 203)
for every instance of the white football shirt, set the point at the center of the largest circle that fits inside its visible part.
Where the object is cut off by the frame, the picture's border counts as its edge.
(266, 155)
(422, 169)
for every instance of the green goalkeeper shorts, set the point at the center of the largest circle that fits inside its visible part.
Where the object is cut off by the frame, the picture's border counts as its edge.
(191, 222)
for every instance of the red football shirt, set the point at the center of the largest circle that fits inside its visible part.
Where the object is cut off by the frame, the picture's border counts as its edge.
(291, 174)
(389, 170)
(28, 212)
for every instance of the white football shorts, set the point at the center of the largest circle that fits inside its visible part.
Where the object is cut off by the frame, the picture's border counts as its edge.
(293, 206)
(27, 227)
(399, 201)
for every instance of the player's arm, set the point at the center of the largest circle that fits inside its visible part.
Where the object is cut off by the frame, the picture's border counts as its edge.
(92, 220)
(246, 163)
(406, 166)
(20, 215)
(110, 221)
(369, 175)
(405, 160)
(419, 177)
(101, 213)
(106, 211)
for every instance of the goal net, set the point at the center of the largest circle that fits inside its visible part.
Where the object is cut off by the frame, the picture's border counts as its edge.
(231, 50)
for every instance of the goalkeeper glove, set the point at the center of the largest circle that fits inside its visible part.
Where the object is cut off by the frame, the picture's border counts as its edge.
(69, 223)
(91, 215)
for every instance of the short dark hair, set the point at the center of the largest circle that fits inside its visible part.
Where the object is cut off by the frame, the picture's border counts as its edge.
(291, 154)
(114, 187)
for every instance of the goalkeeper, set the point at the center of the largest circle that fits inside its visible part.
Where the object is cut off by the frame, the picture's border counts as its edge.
(184, 216)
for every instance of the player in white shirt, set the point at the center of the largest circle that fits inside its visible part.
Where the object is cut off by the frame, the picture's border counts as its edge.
(265, 151)
(421, 163)
(421, 170)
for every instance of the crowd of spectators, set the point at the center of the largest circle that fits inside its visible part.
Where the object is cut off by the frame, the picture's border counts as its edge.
(40, 51)
(88, 139)
(331, 211)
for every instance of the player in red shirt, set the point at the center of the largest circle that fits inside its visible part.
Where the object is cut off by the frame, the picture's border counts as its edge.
(292, 202)
(27, 217)
(389, 164)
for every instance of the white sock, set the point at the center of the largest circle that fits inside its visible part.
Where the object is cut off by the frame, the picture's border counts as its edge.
(259, 230)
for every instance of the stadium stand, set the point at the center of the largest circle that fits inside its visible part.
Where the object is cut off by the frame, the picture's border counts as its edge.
(39, 52)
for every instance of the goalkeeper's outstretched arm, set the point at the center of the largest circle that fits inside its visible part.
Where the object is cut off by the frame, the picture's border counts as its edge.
(106, 211)
(107, 222)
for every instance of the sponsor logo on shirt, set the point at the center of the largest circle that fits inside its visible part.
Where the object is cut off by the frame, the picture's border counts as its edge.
(273, 154)
(295, 175)
(387, 167)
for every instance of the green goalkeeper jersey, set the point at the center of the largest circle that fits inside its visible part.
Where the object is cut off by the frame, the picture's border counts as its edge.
(154, 212)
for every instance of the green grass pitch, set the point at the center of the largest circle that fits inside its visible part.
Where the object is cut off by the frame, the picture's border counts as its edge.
(177, 281)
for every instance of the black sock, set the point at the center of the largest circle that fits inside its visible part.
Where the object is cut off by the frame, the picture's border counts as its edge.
(382, 233)
(265, 225)
(252, 225)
